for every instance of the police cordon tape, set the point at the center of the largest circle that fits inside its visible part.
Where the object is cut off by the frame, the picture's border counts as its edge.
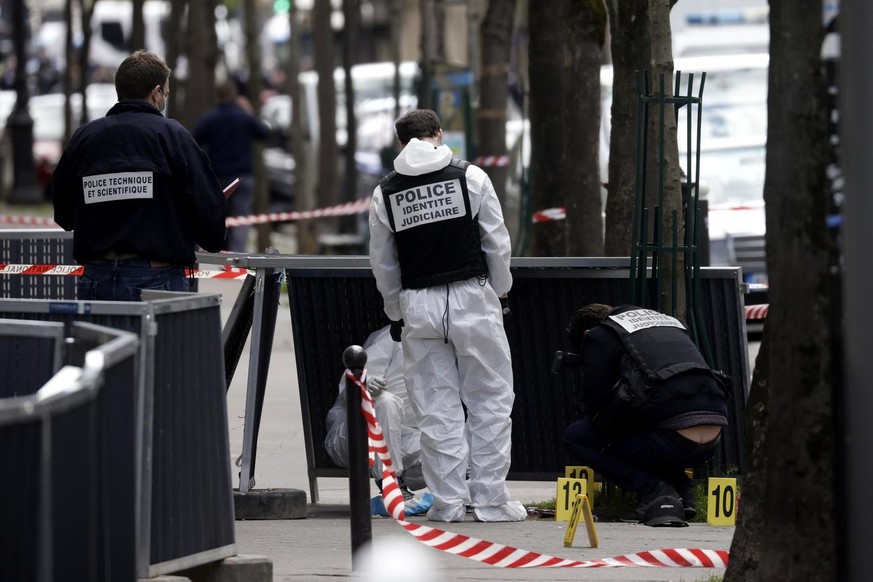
(500, 555)
(232, 273)
(753, 312)
(348, 208)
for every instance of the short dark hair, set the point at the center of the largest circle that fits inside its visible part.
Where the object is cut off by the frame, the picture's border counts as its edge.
(584, 319)
(138, 74)
(226, 92)
(417, 123)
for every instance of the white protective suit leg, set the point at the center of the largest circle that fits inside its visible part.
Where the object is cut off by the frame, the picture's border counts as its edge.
(474, 365)
(389, 413)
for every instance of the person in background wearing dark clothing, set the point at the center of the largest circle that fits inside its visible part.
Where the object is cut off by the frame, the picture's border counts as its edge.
(137, 191)
(226, 133)
(653, 407)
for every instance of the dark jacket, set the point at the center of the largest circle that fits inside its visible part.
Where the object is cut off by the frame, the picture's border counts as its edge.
(226, 133)
(683, 387)
(136, 182)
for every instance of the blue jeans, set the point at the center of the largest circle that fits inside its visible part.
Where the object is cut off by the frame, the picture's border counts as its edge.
(124, 280)
(637, 461)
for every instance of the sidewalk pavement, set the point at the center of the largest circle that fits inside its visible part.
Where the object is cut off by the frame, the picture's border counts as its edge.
(319, 546)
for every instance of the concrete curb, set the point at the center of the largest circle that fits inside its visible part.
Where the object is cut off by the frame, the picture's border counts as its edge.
(244, 568)
(270, 504)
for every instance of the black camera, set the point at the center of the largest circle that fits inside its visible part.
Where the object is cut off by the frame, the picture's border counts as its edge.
(565, 359)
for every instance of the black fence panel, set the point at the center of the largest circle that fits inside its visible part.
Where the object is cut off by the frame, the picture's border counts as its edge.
(20, 446)
(185, 513)
(30, 354)
(37, 247)
(192, 500)
(333, 307)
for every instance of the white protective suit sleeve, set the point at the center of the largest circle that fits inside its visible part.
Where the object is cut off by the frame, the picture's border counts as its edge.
(383, 257)
(492, 230)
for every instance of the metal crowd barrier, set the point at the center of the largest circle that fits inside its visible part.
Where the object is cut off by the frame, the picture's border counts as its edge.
(335, 303)
(30, 354)
(67, 498)
(37, 247)
(184, 510)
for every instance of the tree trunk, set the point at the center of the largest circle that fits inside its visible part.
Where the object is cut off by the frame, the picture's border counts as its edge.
(137, 27)
(584, 31)
(631, 51)
(69, 67)
(496, 45)
(666, 178)
(796, 540)
(547, 119)
(202, 57)
(746, 545)
(304, 194)
(254, 85)
(87, 14)
(350, 174)
(174, 39)
(326, 189)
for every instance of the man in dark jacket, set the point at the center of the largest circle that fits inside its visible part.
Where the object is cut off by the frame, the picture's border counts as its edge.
(226, 133)
(137, 191)
(653, 406)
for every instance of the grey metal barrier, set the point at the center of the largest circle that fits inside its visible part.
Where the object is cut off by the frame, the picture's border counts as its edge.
(37, 247)
(335, 303)
(184, 505)
(68, 500)
(30, 354)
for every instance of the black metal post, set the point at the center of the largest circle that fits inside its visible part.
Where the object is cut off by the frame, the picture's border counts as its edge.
(355, 359)
(24, 188)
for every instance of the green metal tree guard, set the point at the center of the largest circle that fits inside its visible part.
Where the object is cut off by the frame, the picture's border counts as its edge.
(649, 250)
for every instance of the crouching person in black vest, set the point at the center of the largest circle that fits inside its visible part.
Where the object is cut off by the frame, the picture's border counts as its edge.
(652, 407)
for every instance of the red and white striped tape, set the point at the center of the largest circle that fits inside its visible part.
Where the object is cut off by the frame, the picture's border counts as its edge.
(356, 207)
(500, 555)
(28, 220)
(757, 312)
(78, 270)
(549, 214)
(486, 161)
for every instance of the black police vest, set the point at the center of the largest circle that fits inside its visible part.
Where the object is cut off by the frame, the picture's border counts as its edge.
(437, 237)
(659, 345)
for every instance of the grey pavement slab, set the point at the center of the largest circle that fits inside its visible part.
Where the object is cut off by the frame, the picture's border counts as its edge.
(318, 546)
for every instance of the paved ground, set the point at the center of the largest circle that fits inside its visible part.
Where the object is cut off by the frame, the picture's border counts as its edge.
(318, 547)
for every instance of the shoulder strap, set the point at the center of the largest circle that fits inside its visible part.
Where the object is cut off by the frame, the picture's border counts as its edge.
(386, 179)
(462, 164)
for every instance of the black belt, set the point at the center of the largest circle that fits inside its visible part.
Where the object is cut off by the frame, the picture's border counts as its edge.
(114, 256)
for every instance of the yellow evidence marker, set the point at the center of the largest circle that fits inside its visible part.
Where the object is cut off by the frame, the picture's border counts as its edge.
(583, 472)
(581, 507)
(722, 505)
(566, 492)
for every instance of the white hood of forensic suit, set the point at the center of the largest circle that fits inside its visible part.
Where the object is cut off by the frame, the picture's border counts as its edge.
(421, 157)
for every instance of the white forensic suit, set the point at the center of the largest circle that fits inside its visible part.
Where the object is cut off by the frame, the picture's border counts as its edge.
(454, 343)
(394, 411)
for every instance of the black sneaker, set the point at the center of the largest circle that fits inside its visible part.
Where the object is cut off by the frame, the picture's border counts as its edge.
(636, 515)
(686, 493)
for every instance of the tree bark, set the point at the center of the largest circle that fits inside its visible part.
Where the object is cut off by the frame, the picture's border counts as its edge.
(137, 27)
(496, 46)
(663, 173)
(631, 51)
(253, 89)
(350, 174)
(304, 194)
(202, 57)
(796, 540)
(547, 118)
(326, 189)
(585, 32)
